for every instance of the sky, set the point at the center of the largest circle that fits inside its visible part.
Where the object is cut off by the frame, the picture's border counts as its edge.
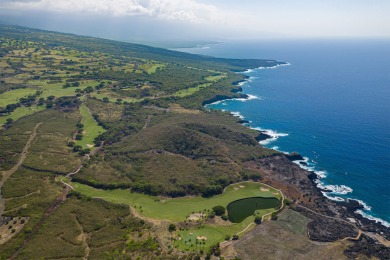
(207, 20)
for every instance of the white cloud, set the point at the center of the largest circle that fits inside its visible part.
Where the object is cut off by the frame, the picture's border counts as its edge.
(179, 10)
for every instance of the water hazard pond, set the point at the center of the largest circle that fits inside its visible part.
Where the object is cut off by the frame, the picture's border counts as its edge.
(241, 209)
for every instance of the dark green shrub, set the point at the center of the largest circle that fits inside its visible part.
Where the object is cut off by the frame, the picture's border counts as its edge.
(258, 220)
(219, 210)
(171, 228)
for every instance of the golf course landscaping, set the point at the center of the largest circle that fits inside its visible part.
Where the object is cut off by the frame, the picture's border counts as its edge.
(124, 126)
(91, 129)
(197, 226)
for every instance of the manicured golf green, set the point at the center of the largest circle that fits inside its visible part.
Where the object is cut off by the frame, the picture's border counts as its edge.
(241, 209)
(215, 233)
(91, 128)
(178, 209)
(215, 78)
(190, 91)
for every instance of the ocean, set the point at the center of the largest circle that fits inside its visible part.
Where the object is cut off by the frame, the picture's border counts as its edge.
(331, 104)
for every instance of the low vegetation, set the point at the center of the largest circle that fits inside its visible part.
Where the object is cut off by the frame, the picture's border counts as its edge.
(131, 117)
(176, 209)
(194, 216)
(81, 226)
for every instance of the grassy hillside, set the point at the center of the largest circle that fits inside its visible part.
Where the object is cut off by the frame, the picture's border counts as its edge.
(112, 115)
(89, 44)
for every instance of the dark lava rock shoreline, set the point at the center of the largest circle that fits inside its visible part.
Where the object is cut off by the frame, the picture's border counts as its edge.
(331, 220)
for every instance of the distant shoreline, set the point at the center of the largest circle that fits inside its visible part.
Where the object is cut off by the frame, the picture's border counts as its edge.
(354, 206)
(195, 45)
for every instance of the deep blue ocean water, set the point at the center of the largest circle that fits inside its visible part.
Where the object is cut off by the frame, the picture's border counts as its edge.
(332, 105)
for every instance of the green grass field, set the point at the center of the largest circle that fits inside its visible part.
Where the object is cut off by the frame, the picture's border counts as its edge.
(113, 97)
(12, 97)
(215, 78)
(214, 233)
(91, 128)
(21, 112)
(190, 91)
(177, 209)
(152, 68)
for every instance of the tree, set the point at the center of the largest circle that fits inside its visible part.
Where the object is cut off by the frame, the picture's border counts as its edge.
(41, 101)
(77, 148)
(171, 228)
(88, 89)
(71, 144)
(106, 100)
(215, 250)
(80, 125)
(8, 122)
(219, 210)
(258, 220)
(84, 151)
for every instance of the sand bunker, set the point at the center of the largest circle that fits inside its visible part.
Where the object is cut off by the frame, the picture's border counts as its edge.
(201, 238)
(195, 217)
(242, 186)
(264, 189)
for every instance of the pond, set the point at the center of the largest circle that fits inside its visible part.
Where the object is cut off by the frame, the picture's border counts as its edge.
(241, 209)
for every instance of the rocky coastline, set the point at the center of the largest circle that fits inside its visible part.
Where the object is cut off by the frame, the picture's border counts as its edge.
(330, 220)
(219, 98)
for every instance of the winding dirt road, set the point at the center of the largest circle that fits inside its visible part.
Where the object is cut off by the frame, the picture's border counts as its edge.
(23, 155)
